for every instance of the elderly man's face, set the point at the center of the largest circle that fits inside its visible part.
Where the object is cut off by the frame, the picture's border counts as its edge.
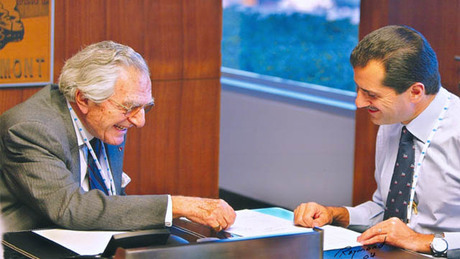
(384, 104)
(107, 121)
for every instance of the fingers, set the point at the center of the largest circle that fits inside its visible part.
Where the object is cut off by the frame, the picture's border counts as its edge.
(375, 239)
(311, 215)
(381, 232)
(373, 235)
(302, 216)
(229, 214)
(215, 213)
(218, 228)
(224, 215)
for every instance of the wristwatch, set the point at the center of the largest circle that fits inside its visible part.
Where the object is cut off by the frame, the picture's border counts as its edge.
(439, 246)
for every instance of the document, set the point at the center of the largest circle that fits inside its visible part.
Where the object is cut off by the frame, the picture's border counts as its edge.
(250, 223)
(339, 237)
(81, 242)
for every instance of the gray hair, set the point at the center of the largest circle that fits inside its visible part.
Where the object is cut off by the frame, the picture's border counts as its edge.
(95, 69)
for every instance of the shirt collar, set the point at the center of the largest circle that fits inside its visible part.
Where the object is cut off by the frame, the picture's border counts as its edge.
(423, 124)
(77, 132)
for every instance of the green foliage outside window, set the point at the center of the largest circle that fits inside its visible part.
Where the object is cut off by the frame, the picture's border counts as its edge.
(295, 46)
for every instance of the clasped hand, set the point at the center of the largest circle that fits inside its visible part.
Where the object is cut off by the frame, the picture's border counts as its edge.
(396, 233)
(215, 213)
(312, 214)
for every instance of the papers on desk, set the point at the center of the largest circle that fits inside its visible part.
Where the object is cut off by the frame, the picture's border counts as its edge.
(248, 223)
(339, 237)
(81, 242)
(251, 223)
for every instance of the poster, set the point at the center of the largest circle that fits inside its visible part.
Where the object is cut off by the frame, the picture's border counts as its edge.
(26, 42)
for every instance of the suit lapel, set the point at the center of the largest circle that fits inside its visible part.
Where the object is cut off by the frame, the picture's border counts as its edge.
(114, 153)
(59, 102)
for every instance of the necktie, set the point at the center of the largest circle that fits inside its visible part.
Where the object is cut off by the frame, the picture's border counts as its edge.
(401, 182)
(95, 179)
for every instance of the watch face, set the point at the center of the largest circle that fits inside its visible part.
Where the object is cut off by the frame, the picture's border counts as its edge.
(439, 245)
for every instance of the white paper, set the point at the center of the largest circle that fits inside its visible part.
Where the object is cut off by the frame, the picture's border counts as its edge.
(249, 223)
(339, 237)
(81, 242)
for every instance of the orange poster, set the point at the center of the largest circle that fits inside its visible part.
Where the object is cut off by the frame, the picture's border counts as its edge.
(26, 42)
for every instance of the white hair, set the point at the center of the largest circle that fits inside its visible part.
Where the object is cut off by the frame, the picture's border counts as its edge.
(95, 69)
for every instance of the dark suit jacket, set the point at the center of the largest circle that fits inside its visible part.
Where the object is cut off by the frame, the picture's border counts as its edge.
(40, 174)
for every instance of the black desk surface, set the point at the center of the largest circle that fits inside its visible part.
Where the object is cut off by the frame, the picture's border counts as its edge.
(38, 247)
(375, 251)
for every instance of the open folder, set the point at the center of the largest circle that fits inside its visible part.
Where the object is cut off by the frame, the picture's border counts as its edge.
(276, 221)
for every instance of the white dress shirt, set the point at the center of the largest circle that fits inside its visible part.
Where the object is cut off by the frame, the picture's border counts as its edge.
(437, 192)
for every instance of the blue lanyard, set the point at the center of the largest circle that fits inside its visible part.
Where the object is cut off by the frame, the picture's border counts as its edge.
(106, 175)
(422, 156)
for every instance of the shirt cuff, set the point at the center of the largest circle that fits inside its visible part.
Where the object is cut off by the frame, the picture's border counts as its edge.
(453, 240)
(168, 218)
(365, 214)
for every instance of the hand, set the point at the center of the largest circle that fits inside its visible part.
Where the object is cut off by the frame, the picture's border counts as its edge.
(215, 213)
(312, 215)
(396, 233)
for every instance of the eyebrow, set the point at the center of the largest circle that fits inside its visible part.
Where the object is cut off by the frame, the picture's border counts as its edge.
(365, 90)
(136, 104)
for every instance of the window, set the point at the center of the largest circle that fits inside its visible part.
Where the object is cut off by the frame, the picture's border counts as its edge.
(308, 41)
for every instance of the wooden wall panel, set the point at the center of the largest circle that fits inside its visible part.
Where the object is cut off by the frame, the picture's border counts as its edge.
(81, 23)
(177, 150)
(126, 24)
(165, 116)
(438, 21)
(193, 116)
(9, 97)
(167, 56)
(199, 61)
(198, 117)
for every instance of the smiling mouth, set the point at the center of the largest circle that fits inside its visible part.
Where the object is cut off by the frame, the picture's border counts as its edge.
(372, 109)
(120, 128)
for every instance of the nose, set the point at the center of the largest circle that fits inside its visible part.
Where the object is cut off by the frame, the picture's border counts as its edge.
(138, 119)
(361, 101)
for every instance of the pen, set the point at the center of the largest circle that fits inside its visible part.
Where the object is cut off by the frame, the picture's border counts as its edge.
(225, 235)
(83, 256)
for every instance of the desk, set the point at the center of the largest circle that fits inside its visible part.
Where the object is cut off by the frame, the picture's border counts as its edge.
(302, 245)
(39, 247)
(377, 251)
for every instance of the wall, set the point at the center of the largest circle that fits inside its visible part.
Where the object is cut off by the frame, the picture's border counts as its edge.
(285, 154)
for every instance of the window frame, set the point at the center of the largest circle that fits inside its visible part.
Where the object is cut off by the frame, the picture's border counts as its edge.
(314, 96)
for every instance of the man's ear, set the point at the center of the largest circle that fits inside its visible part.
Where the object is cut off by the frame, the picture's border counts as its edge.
(417, 92)
(82, 102)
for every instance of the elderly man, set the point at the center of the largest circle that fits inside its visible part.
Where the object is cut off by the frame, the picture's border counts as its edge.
(417, 202)
(61, 151)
